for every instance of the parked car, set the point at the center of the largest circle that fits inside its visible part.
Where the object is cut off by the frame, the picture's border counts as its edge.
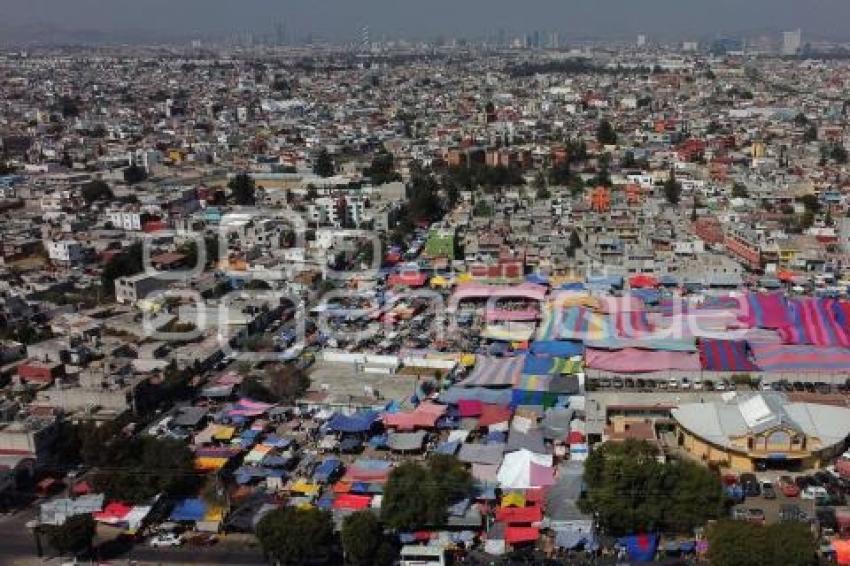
(814, 492)
(755, 516)
(201, 539)
(767, 490)
(750, 485)
(788, 487)
(166, 540)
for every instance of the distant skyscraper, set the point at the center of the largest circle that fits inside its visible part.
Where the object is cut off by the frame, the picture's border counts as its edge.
(641, 40)
(792, 42)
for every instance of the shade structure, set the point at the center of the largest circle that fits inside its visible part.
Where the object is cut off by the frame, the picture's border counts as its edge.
(643, 281)
(519, 535)
(524, 469)
(725, 355)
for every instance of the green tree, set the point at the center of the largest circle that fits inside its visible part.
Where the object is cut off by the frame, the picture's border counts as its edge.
(739, 190)
(96, 191)
(838, 153)
(811, 134)
(361, 536)
(382, 169)
(127, 262)
(243, 189)
(291, 535)
(738, 543)
(605, 133)
(541, 185)
(137, 469)
(419, 496)
(73, 537)
(629, 490)
(672, 189)
(324, 164)
(134, 174)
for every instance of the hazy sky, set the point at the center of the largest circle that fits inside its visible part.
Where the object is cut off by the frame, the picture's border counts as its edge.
(418, 18)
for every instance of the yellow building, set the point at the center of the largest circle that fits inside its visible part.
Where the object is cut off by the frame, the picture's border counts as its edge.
(762, 431)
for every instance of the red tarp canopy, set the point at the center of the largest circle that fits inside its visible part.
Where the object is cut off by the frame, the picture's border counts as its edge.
(494, 414)
(642, 281)
(575, 437)
(352, 501)
(113, 512)
(519, 515)
(515, 535)
(469, 408)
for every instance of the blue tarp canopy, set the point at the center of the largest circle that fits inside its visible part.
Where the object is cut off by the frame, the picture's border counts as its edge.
(188, 510)
(537, 365)
(538, 279)
(379, 441)
(648, 296)
(326, 470)
(350, 443)
(605, 282)
(448, 448)
(641, 548)
(572, 286)
(358, 422)
(557, 348)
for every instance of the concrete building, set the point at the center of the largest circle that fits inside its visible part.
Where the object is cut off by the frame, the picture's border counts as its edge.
(762, 431)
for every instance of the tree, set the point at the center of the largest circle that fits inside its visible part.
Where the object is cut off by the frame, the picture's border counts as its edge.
(811, 134)
(74, 536)
(738, 543)
(629, 490)
(382, 169)
(242, 189)
(287, 382)
(838, 153)
(739, 190)
(672, 189)
(540, 185)
(96, 191)
(628, 161)
(127, 262)
(291, 535)
(362, 536)
(419, 496)
(137, 469)
(134, 174)
(324, 165)
(605, 133)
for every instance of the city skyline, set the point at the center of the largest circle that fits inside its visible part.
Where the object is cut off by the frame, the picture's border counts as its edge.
(97, 21)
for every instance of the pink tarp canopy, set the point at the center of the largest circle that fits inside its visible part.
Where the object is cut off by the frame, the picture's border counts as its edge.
(474, 290)
(407, 279)
(632, 360)
(493, 414)
(766, 310)
(499, 315)
(628, 303)
(469, 408)
(541, 476)
(424, 416)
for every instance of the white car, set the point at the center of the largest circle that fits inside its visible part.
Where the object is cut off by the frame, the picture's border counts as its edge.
(813, 492)
(698, 385)
(166, 539)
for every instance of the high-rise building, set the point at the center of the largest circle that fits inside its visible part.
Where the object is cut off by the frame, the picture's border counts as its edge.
(641, 40)
(792, 42)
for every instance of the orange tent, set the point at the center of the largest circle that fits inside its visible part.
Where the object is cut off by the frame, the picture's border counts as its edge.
(600, 199)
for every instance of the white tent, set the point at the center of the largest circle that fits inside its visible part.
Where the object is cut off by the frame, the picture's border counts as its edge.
(524, 469)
